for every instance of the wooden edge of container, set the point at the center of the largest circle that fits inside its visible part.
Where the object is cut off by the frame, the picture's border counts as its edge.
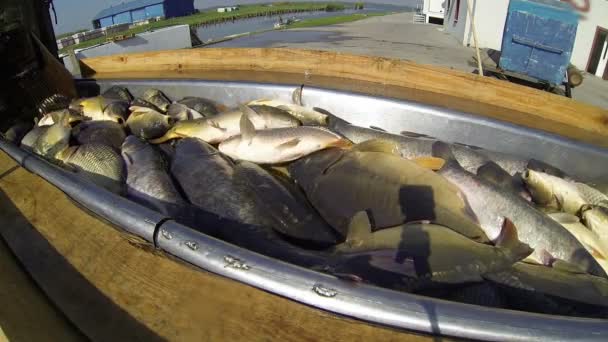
(114, 286)
(378, 76)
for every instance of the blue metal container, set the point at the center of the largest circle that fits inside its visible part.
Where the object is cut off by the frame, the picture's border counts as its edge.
(538, 39)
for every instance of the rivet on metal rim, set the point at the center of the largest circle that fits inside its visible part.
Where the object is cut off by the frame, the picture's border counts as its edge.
(324, 291)
(165, 233)
(192, 245)
(235, 263)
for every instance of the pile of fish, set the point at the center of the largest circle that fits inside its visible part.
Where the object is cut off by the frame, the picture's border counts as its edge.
(297, 183)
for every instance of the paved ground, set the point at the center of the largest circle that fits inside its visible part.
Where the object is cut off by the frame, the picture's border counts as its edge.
(397, 37)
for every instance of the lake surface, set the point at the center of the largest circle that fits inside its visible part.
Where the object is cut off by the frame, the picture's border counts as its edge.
(213, 32)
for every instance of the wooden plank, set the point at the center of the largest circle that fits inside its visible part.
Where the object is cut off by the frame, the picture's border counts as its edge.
(116, 287)
(400, 79)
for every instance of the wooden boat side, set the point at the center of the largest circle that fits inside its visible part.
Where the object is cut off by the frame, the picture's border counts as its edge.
(376, 76)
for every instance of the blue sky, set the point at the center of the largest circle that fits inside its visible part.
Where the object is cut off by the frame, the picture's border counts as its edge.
(76, 14)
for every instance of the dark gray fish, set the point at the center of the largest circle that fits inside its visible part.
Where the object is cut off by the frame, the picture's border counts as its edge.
(181, 112)
(118, 93)
(143, 103)
(108, 133)
(207, 179)
(17, 131)
(157, 98)
(290, 215)
(101, 164)
(147, 123)
(118, 110)
(555, 282)
(483, 294)
(148, 179)
(53, 103)
(491, 204)
(203, 106)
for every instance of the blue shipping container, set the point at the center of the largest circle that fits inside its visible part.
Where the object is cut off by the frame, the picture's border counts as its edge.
(538, 39)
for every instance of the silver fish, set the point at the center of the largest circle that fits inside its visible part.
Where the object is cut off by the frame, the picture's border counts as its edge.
(279, 145)
(491, 205)
(30, 138)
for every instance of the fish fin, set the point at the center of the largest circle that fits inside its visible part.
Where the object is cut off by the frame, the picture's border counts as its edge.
(378, 145)
(288, 144)
(508, 239)
(216, 125)
(326, 112)
(413, 134)
(494, 174)
(377, 128)
(128, 158)
(296, 96)
(443, 150)
(247, 128)
(359, 228)
(341, 143)
(546, 258)
(431, 163)
(246, 110)
(36, 121)
(564, 218)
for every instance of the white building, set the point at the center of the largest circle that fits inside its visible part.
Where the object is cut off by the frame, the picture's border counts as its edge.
(434, 10)
(227, 9)
(590, 47)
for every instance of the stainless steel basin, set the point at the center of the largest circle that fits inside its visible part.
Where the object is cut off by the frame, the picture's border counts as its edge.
(365, 302)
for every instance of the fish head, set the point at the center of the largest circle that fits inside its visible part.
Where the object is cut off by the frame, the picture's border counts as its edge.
(306, 170)
(539, 186)
(231, 146)
(117, 111)
(274, 117)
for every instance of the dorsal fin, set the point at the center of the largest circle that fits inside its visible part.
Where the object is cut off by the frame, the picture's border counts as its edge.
(296, 96)
(378, 145)
(359, 228)
(247, 128)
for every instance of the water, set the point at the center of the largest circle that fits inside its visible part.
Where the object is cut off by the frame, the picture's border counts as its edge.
(213, 32)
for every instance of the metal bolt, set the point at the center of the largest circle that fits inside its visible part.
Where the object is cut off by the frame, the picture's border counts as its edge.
(165, 233)
(235, 263)
(324, 291)
(192, 245)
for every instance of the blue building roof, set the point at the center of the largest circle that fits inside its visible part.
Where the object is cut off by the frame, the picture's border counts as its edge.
(127, 6)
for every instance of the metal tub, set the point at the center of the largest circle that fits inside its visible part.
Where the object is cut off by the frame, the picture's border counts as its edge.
(369, 303)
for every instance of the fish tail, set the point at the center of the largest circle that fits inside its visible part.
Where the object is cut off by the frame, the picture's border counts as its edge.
(341, 143)
(509, 241)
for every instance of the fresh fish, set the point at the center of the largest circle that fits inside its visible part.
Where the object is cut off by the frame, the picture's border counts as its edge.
(469, 157)
(432, 252)
(143, 103)
(118, 93)
(17, 131)
(157, 98)
(207, 179)
(392, 189)
(30, 138)
(290, 213)
(308, 116)
(118, 110)
(99, 163)
(181, 112)
(596, 219)
(279, 145)
(538, 279)
(493, 173)
(56, 116)
(484, 294)
(53, 140)
(147, 123)
(491, 204)
(206, 108)
(148, 179)
(108, 133)
(589, 239)
(568, 196)
(95, 108)
(225, 125)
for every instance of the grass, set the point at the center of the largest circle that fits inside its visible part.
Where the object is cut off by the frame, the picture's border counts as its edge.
(212, 15)
(333, 20)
